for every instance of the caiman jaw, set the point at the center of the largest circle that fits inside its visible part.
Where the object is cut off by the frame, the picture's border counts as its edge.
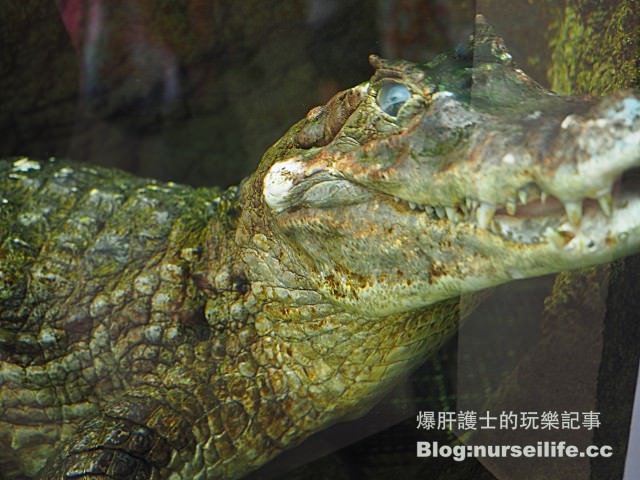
(536, 216)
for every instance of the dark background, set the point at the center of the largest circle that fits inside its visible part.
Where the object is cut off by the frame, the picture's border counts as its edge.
(195, 91)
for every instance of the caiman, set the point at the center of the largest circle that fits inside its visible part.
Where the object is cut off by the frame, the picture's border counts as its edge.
(152, 330)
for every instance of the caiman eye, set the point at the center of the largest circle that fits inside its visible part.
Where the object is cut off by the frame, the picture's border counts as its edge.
(392, 96)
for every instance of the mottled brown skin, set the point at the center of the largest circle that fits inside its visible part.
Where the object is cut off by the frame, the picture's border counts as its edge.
(151, 330)
(98, 291)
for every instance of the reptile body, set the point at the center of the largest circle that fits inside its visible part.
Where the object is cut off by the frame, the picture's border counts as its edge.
(152, 330)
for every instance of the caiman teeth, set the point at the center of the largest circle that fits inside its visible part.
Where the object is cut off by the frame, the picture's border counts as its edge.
(555, 237)
(543, 196)
(606, 202)
(523, 195)
(485, 213)
(453, 215)
(574, 212)
(526, 203)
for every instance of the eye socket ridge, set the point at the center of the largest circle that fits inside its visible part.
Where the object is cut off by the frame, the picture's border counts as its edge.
(392, 96)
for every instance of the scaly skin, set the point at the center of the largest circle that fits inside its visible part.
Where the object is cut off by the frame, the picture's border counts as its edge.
(151, 330)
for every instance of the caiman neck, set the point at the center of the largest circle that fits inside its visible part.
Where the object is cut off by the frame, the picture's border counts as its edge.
(282, 359)
(326, 360)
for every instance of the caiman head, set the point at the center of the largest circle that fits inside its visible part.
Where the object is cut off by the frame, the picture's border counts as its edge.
(432, 180)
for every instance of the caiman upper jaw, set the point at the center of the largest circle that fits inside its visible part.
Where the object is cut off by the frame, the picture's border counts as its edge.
(593, 150)
(590, 170)
(581, 167)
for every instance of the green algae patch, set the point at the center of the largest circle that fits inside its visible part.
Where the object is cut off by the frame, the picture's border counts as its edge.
(594, 47)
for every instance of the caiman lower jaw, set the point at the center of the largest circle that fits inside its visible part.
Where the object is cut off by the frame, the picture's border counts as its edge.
(537, 217)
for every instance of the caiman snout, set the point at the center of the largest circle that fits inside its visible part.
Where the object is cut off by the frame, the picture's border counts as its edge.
(586, 178)
(591, 153)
